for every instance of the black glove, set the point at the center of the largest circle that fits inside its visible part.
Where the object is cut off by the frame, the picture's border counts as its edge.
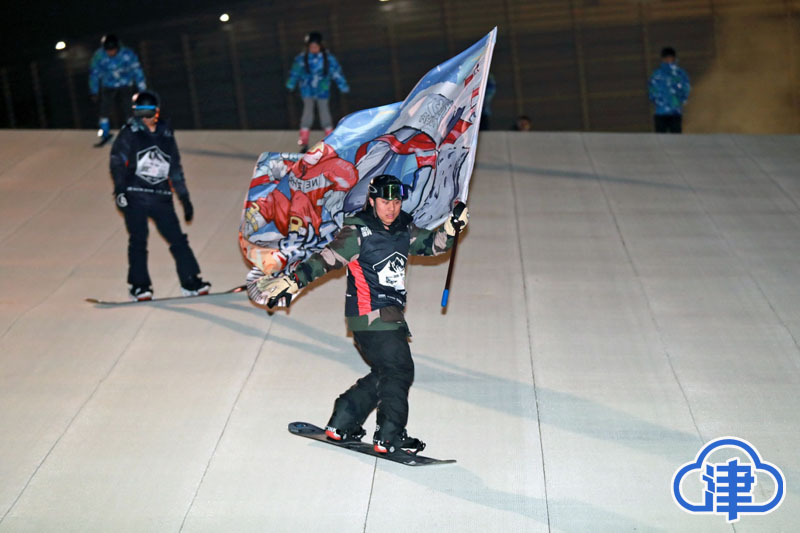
(120, 199)
(459, 219)
(188, 209)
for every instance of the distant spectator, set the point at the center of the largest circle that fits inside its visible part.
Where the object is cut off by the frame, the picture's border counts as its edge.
(486, 111)
(523, 123)
(669, 90)
(313, 69)
(113, 74)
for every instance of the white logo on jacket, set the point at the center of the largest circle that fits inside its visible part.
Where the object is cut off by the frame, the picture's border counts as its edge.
(392, 271)
(152, 165)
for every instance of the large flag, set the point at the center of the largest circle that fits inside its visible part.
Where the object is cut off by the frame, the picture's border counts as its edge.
(297, 202)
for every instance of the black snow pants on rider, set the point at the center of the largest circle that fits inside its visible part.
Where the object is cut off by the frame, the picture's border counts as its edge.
(385, 387)
(163, 214)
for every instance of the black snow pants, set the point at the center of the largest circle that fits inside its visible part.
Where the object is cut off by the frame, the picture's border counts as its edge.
(668, 123)
(163, 214)
(385, 387)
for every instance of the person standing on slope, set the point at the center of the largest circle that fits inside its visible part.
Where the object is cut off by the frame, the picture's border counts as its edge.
(374, 245)
(114, 73)
(146, 168)
(669, 89)
(313, 70)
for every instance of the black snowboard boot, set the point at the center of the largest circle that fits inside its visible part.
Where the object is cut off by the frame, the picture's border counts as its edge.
(400, 442)
(345, 421)
(140, 293)
(350, 434)
(195, 287)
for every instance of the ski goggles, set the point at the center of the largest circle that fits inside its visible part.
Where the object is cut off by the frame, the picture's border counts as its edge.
(146, 111)
(389, 191)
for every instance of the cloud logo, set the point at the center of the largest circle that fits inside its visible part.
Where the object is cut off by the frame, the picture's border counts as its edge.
(729, 485)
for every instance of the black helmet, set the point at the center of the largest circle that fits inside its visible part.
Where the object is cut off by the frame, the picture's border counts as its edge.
(145, 104)
(314, 37)
(110, 42)
(387, 187)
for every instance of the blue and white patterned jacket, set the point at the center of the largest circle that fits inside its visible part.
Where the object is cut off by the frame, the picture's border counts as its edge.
(314, 82)
(669, 89)
(122, 70)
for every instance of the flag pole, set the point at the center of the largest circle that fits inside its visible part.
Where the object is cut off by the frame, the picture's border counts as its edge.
(446, 292)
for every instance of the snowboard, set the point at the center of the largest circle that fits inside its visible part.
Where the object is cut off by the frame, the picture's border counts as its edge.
(104, 140)
(310, 431)
(240, 288)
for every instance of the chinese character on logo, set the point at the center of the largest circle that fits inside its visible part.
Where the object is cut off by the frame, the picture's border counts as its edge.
(729, 485)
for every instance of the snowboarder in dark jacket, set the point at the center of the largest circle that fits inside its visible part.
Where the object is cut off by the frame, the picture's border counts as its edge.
(146, 169)
(374, 245)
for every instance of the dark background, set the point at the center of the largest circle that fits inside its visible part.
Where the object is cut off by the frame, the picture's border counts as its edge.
(568, 64)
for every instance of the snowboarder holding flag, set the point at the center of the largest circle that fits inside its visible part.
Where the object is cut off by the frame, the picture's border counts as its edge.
(374, 245)
(413, 161)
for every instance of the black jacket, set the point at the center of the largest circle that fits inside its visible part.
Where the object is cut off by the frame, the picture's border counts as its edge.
(376, 278)
(376, 260)
(146, 165)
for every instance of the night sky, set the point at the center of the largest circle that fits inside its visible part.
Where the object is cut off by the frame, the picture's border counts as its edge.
(30, 28)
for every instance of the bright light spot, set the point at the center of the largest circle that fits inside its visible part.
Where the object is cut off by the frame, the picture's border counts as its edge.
(224, 17)
(60, 45)
(383, 0)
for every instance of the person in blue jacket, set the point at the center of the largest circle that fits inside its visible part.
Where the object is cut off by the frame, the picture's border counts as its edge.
(669, 90)
(114, 73)
(313, 69)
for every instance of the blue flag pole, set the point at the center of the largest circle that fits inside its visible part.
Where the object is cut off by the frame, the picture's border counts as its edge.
(446, 292)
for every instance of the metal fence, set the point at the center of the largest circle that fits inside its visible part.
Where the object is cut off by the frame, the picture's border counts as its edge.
(568, 64)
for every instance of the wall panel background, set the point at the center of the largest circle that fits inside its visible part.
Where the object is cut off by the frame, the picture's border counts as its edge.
(568, 64)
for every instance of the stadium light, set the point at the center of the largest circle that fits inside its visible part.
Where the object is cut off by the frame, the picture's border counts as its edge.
(60, 45)
(224, 17)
